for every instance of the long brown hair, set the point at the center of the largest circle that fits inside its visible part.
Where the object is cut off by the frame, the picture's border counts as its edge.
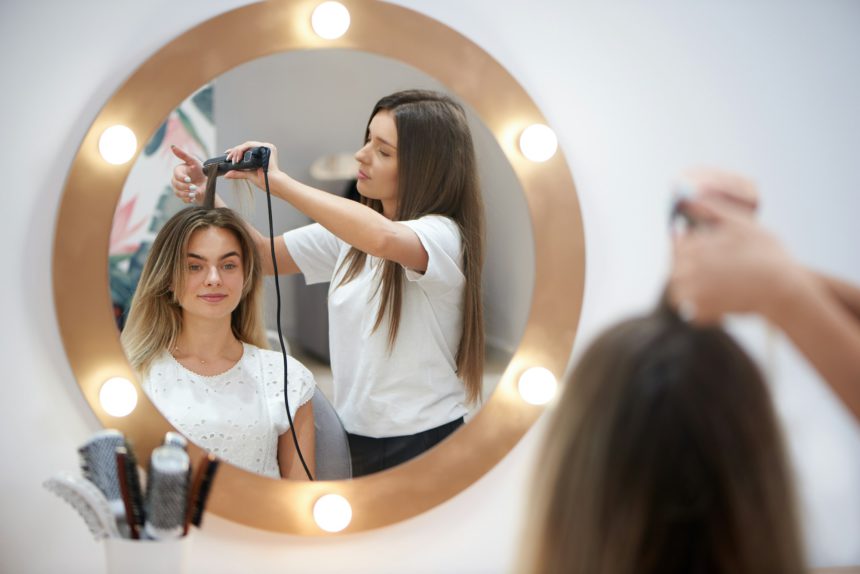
(664, 455)
(155, 317)
(436, 173)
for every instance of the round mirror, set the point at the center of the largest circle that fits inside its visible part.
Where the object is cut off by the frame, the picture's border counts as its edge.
(94, 187)
(315, 127)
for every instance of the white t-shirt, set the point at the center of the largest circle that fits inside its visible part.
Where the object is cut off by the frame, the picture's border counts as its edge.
(414, 387)
(237, 415)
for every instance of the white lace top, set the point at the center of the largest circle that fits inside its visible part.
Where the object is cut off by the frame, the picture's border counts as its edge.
(237, 415)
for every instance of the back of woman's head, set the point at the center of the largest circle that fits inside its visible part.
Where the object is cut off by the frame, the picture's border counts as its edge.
(155, 317)
(664, 455)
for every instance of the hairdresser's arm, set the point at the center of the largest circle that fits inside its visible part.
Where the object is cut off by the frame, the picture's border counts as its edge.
(740, 193)
(735, 266)
(288, 458)
(286, 264)
(190, 191)
(354, 223)
(846, 293)
(823, 330)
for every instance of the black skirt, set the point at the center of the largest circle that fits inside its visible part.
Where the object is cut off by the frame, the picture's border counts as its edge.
(371, 455)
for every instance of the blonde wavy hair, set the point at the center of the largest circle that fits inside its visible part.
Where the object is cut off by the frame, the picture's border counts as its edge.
(155, 317)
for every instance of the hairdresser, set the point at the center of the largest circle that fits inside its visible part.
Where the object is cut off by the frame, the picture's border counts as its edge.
(404, 266)
(731, 264)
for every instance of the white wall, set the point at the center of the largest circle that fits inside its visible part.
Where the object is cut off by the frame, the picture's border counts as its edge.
(636, 92)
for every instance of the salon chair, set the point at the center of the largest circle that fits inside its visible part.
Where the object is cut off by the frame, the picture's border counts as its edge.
(332, 447)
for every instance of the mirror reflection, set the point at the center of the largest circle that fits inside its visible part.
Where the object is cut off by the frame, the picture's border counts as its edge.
(313, 121)
(195, 334)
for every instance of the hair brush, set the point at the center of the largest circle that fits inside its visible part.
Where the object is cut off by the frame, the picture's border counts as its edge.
(90, 502)
(166, 500)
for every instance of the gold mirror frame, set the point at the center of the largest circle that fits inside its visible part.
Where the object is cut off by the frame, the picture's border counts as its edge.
(93, 188)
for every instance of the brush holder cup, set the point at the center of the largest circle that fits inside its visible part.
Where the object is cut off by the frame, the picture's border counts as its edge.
(146, 556)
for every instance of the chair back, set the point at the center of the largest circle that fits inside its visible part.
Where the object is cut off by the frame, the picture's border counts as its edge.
(333, 460)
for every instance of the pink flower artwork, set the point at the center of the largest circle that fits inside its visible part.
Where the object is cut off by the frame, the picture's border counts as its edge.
(178, 134)
(123, 230)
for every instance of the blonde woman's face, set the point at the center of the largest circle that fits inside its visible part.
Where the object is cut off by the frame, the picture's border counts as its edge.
(377, 169)
(214, 274)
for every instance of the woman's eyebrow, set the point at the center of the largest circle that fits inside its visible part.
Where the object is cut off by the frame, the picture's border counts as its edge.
(384, 141)
(225, 256)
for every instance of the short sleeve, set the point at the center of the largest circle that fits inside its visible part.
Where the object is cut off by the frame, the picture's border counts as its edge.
(440, 237)
(300, 388)
(315, 250)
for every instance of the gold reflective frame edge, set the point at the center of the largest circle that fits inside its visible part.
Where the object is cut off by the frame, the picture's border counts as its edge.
(93, 188)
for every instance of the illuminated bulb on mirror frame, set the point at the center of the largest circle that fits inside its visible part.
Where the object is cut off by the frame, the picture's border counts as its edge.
(537, 386)
(118, 397)
(330, 20)
(117, 144)
(538, 142)
(332, 512)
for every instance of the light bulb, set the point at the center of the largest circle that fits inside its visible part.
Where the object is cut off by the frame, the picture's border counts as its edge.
(118, 397)
(537, 386)
(117, 144)
(330, 20)
(538, 142)
(332, 512)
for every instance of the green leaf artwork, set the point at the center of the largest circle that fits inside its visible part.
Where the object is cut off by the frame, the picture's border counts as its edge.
(155, 143)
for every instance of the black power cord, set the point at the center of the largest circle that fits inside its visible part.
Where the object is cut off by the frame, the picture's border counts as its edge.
(265, 157)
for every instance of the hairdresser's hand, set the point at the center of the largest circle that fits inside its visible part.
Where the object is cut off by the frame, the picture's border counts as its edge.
(731, 266)
(188, 177)
(236, 153)
(712, 184)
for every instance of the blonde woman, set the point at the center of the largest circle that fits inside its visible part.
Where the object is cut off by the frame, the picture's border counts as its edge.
(664, 456)
(404, 266)
(195, 335)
